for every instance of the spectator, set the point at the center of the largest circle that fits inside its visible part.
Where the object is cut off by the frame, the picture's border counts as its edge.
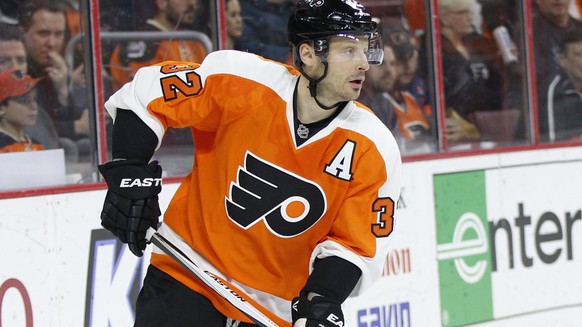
(12, 50)
(550, 24)
(399, 96)
(170, 15)
(44, 25)
(13, 57)
(411, 98)
(562, 119)
(234, 24)
(472, 82)
(18, 109)
(380, 81)
(265, 28)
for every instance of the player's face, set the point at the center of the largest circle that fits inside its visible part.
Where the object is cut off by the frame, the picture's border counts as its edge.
(181, 12)
(21, 111)
(46, 34)
(383, 77)
(346, 72)
(12, 56)
(571, 61)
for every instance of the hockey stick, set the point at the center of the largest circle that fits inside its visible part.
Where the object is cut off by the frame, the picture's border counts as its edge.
(210, 279)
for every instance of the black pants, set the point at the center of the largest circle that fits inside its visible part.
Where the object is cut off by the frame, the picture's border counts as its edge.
(165, 302)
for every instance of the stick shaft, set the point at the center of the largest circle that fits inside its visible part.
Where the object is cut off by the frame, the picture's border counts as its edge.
(215, 283)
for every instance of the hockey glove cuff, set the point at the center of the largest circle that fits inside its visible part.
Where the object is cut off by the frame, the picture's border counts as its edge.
(319, 312)
(131, 203)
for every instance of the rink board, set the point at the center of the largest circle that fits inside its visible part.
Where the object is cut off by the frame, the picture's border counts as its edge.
(492, 240)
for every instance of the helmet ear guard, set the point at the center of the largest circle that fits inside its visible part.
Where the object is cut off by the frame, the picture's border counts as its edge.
(320, 46)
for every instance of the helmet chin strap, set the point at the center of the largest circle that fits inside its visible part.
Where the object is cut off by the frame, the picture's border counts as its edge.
(313, 86)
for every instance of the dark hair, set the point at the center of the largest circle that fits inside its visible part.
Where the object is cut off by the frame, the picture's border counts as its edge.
(572, 36)
(10, 32)
(28, 9)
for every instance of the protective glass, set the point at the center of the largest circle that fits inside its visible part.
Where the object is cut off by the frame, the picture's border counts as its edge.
(368, 45)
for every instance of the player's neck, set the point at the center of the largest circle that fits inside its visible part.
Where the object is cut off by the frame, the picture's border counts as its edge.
(308, 111)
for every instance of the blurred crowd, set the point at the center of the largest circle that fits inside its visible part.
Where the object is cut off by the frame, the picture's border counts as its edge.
(45, 100)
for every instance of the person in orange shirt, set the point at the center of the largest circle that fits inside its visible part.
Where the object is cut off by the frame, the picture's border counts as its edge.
(293, 193)
(411, 95)
(398, 96)
(126, 59)
(170, 15)
(18, 109)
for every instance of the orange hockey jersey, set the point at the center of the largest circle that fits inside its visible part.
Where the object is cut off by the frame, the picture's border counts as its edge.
(126, 59)
(258, 209)
(8, 144)
(411, 117)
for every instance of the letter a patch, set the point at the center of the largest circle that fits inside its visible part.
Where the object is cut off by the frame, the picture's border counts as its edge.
(341, 165)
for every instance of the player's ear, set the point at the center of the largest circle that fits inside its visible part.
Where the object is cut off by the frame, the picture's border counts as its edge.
(307, 54)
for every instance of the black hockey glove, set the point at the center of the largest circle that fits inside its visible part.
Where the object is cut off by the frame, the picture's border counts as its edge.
(319, 312)
(131, 204)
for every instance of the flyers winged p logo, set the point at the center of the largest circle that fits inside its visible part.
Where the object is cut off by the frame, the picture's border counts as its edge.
(288, 204)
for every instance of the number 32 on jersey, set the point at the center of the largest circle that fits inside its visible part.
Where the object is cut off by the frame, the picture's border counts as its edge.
(341, 167)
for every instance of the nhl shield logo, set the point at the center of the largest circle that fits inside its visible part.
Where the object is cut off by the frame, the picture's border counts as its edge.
(302, 131)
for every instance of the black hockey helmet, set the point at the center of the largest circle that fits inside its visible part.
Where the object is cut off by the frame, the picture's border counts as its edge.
(316, 20)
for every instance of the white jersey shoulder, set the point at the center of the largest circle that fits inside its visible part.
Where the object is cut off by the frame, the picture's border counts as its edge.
(249, 66)
(146, 86)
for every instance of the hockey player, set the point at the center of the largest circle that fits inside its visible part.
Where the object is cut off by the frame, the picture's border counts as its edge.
(294, 185)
